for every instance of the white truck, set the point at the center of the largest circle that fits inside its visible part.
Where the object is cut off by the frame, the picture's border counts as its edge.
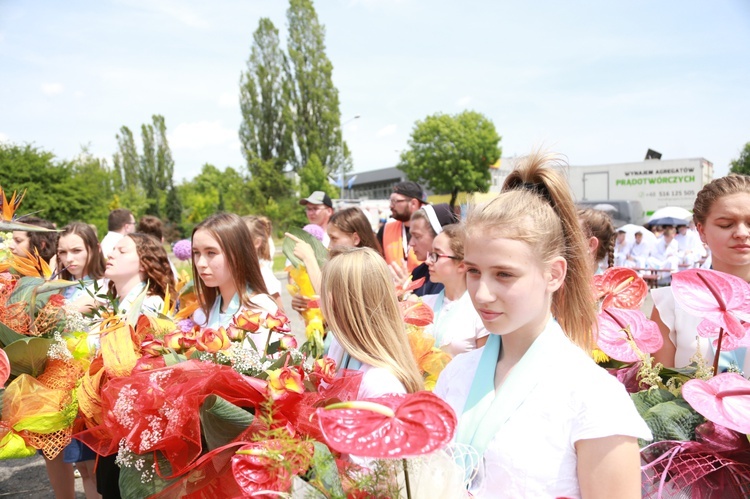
(655, 183)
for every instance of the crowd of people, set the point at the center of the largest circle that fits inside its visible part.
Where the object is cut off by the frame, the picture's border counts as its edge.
(510, 291)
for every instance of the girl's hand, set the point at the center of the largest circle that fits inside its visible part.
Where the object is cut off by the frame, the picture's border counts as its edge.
(300, 303)
(302, 250)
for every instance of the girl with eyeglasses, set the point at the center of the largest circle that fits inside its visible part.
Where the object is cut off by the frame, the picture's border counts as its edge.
(457, 327)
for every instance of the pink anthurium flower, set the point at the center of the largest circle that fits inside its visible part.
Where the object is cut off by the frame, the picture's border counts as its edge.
(620, 287)
(613, 339)
(4, 367)
(723, 399)
(392, 426)
(723, 300)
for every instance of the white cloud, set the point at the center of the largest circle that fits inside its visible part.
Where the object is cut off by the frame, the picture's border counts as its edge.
(463, 101)
(201, 134)
(78, 94)
(387, 130)
(52, 88)
(228, 100)
(3, 137)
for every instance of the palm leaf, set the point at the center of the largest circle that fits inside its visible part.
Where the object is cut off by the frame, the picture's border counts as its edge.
(321, 253)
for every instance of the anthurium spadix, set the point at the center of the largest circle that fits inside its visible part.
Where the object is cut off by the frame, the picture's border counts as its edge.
(723, 301)
(392, 426)
(723, 399)
(614, 326)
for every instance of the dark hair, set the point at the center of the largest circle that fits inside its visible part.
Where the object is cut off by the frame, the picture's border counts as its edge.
(43, 242)
(236, 242)
(155, 262)
(455, 235)
(733, 183)
(598, 224)
(95, 264)
(353, 221)
(118, 219)
(151, 225)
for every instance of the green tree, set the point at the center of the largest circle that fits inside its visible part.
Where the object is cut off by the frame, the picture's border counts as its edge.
(313, 177)
(127, 176)
(173, 209)
(266, 128)
(156, 164)
(314, 98)
(742, 164)
(451, 154)
(213, 190)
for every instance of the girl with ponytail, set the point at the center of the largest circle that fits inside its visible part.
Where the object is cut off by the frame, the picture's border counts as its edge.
(545, 420)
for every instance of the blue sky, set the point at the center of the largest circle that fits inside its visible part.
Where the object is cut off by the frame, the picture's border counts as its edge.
(599, 82)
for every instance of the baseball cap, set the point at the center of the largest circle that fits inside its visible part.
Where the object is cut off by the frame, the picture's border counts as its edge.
(317, 197)
(411, 189)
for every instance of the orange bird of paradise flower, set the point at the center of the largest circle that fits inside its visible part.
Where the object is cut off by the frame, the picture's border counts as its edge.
(9, 207)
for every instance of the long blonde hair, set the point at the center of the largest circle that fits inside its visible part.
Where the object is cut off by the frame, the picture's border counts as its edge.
(536, 207)
(359, 303)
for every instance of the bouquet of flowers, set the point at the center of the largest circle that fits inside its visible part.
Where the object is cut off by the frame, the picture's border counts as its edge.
(699, 420)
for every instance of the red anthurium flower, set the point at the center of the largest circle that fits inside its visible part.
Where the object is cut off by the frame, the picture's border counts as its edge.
(409, 286)
(613, 339)
(620, 287)
(278, 322)
(416, 313)
(4, 367)
(392, 426)
(723, 399)
(723, 300)
(263, 466)
(248, 321)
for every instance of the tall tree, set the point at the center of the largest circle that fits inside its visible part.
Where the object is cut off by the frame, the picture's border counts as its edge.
(313, 177)
(451, 154)
(314, 98)
(148, 173)
(266, 129)
(164, 161)
(127, 179)
(742, 164)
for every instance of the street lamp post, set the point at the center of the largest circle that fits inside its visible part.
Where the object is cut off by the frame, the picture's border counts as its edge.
(342, 152)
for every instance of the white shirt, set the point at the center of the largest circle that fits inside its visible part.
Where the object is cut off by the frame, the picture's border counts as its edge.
(109, 242)
(533, 453)
(459, 323)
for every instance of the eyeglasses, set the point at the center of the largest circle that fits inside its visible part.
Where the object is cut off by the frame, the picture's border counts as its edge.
(433, 257)
(397, 201)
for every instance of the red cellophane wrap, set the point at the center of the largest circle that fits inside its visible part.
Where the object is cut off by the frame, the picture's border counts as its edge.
(715, 465)
(212, 475)
(159, 410)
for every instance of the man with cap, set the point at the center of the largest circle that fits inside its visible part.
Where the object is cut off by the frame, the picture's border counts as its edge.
(319, 208)
(394, 236)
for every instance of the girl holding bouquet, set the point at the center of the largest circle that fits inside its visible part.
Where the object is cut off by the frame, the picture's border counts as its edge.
(359, 303)
(227, 274)
(722, 218)
(544, 419)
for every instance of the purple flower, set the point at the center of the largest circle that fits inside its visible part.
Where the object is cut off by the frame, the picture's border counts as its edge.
(186, 325)
(183, 249)
(315, 230)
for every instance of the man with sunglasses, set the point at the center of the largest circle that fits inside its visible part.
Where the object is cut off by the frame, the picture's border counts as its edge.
(406, 198)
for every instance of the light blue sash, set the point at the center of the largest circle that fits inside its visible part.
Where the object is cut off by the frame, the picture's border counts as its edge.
(217, 318)
(486, 410)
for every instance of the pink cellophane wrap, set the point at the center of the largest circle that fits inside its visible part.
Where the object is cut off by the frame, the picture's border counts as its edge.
(715, 465)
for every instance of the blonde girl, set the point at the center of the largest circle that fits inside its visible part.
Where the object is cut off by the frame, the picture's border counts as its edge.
(722, 218)
(545, 419)
(359, 303)
(227, 273)
(260, 230)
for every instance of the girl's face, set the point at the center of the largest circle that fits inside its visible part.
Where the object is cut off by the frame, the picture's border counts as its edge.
(509, 285)
(123, 263)
(73, 255)
(443, 267)
(421, 238)
(210, 261)
(341, 239)
(19, 245)
(727, 230)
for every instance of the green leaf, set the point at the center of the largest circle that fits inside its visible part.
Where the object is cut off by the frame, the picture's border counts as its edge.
(323, 472)
(24, 290)
(28, 356)
(303, 490)
(222, 421)
(9, 226)
(673, 420)
(321, 253)
(8, 336)
(135, 308)
(132, 483)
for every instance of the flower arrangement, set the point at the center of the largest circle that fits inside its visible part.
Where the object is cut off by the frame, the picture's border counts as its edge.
(699, 420)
